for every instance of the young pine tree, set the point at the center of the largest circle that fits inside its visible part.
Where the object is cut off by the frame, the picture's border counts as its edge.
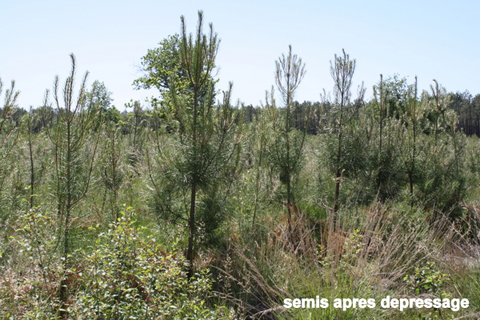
(74, 148)
(9, 134)
(287, 148)
(203, 141)
(341, 70)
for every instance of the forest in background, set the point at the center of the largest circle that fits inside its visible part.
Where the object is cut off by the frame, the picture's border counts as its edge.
(191, 206)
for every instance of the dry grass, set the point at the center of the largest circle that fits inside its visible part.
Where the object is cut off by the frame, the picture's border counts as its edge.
(368, 261)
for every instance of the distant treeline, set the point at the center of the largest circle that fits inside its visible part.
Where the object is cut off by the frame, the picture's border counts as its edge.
(317, 113)
(467, 107)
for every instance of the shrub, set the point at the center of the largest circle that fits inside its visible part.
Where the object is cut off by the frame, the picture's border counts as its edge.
(31, 269)
(426, 280)
(127, 276)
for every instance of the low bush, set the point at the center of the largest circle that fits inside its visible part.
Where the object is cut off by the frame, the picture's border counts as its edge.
(128, 276)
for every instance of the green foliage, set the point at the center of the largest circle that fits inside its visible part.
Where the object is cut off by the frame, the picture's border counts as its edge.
(286, 164)
(112, 167)
(441, 182)
(203, 177)
(342, 70)
(99, 97)
(33, 273)
(37, 236)
(165, 71)
(203, 150)
(427, 279)
(74, 158)
(161, 65)
(9, 134)
(74, 146)
(394, 96)
(128, 276)
(285, 150)
(212, 214)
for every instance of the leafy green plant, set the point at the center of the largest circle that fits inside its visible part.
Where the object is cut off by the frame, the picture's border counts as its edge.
(128, 276)
(426, 279)
(33, 269)
(429, 280)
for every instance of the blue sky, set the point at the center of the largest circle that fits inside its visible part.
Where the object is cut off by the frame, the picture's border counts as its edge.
(431, 39)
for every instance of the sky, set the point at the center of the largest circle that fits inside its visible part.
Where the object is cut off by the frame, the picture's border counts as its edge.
(429, 39)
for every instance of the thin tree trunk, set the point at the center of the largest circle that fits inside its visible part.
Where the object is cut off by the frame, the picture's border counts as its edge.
(63, 283)
(338, 173)
(289, 167)
(32, 168)
(191, 228)
(193, 193)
